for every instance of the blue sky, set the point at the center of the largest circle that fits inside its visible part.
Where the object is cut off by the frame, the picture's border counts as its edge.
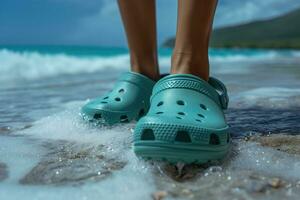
(97, 22)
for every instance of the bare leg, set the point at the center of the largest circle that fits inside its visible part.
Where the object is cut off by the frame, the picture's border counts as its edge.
(140, 25)
(194, 24)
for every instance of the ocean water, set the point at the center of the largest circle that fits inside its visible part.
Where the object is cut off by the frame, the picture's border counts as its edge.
(48, 152)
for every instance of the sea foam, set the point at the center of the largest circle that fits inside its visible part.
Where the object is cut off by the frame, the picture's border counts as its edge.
(267, 97)
(34, 65)
(138, 179)
(30, 65)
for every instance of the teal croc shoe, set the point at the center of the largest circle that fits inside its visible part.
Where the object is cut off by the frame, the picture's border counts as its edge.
(185, 122)
(128, 100)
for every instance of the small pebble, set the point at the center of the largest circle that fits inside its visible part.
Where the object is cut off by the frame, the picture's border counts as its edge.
(186, 192)
(159, 195)
(275, 183)
(215, 169)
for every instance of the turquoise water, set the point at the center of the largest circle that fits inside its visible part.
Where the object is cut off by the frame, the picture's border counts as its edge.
(42, 89)
(106, 51)
(68, 50)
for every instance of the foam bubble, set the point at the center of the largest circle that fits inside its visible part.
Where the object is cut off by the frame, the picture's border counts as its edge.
(266, 161)
(268, 97)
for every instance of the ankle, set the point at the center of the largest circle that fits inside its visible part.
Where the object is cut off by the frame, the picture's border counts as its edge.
(151, 75)
(189, 63)
(145, 63)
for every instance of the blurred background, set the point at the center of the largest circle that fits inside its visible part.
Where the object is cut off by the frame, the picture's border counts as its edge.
(54, 26)
(56, 54)
(97, 22)
(46, 38)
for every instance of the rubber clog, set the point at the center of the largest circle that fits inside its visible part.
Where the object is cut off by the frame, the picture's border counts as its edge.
(128, 100)
(185, 122)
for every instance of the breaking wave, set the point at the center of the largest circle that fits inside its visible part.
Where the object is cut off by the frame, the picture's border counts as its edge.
(31, 65)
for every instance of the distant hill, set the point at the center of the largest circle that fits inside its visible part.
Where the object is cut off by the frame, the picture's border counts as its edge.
(279, 32)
